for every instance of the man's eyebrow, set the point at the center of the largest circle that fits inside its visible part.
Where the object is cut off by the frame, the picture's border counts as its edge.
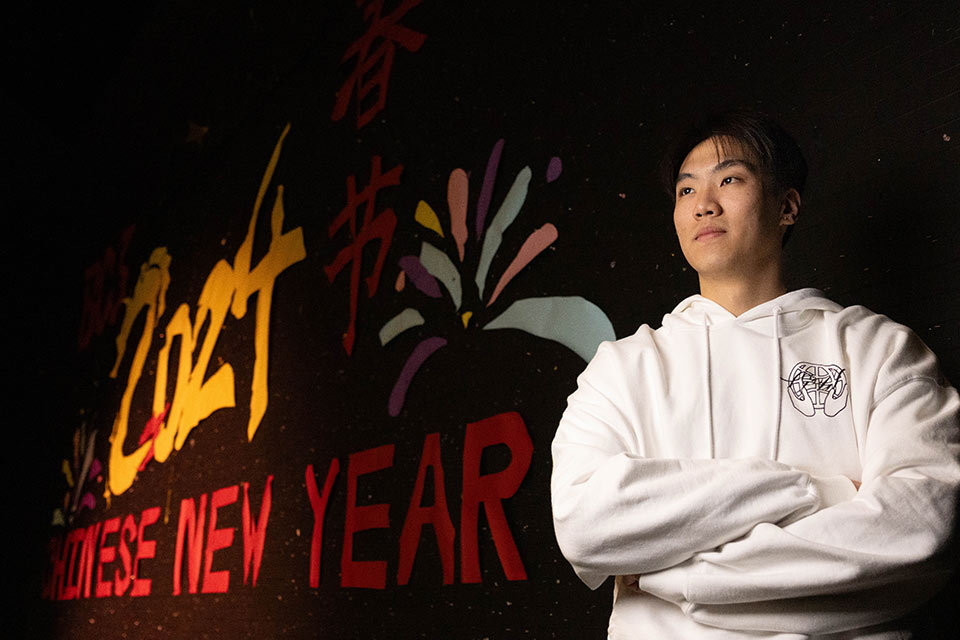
(720, 166)
(735, 162)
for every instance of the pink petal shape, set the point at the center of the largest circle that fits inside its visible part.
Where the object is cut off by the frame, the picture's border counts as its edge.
(420, 354)
(532, 246)
(457, 201)
(87, 501)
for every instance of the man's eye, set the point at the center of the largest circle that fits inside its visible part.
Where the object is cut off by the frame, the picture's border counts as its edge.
(729, 179)
(684, 191)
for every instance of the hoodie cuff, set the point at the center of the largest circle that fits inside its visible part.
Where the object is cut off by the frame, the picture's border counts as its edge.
(668, 584)
(833, 489)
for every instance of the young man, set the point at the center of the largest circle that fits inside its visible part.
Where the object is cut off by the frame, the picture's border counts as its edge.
(766, 464)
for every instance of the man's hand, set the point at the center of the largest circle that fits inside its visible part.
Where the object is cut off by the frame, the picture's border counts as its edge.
(632, 582)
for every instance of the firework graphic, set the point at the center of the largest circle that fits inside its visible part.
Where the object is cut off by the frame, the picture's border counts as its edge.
(572, 321)
(78, 472)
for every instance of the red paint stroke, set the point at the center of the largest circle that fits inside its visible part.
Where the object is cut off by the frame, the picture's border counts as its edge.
(490, 490)
(486, 191)
(105, 284)
(87, 558)
(372, 70)
(254, 533)
(535, 243)
(150, 432)
(128, 535)
(379, 227)
(366, 574)
(437, 515)
(108, 553)
(190, 539)
(73, 544)
(554, 167)
(420, 277)
(218, 539)
(420, 354)
(318, 503)
(146, 550)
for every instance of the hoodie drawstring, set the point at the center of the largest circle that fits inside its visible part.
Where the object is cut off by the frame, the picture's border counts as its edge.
(777, 380)
(706, 383)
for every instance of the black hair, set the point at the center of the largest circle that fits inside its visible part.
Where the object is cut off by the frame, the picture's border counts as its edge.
(775, 153)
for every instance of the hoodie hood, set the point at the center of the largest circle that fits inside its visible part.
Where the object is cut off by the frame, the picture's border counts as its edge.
(792, 311)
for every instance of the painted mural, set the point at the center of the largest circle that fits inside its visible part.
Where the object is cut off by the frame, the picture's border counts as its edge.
(167, 355)
(317, 370)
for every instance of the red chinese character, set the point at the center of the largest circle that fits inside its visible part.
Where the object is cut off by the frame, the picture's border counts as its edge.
(372, 228)
(367, 76)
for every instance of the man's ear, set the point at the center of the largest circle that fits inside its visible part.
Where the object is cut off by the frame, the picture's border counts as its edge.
(789, 207)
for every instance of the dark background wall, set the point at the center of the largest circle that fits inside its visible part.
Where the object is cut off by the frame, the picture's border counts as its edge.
(163, 116)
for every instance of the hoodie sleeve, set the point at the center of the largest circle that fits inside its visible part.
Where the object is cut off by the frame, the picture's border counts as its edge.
(617, 512)
(863, 561)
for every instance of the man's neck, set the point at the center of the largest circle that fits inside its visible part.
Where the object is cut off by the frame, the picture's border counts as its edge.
(738, 296)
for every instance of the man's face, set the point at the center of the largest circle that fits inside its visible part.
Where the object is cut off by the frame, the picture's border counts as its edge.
(728, 225)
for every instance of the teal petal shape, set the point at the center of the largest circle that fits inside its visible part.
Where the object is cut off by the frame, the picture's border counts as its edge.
(574, 322)
(441, 267)
(406, 319)
(506, 214)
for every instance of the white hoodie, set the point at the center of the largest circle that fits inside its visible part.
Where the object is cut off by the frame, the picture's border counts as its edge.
(713, 457)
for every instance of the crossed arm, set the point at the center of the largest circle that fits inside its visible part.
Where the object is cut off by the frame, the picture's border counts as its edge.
(754, 544)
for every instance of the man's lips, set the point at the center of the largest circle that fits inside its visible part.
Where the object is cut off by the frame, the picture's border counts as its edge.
(709, 232)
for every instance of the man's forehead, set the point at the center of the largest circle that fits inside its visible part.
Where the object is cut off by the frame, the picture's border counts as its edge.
(713, 152)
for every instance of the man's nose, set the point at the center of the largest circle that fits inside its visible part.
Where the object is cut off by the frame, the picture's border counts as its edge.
(706, 206)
